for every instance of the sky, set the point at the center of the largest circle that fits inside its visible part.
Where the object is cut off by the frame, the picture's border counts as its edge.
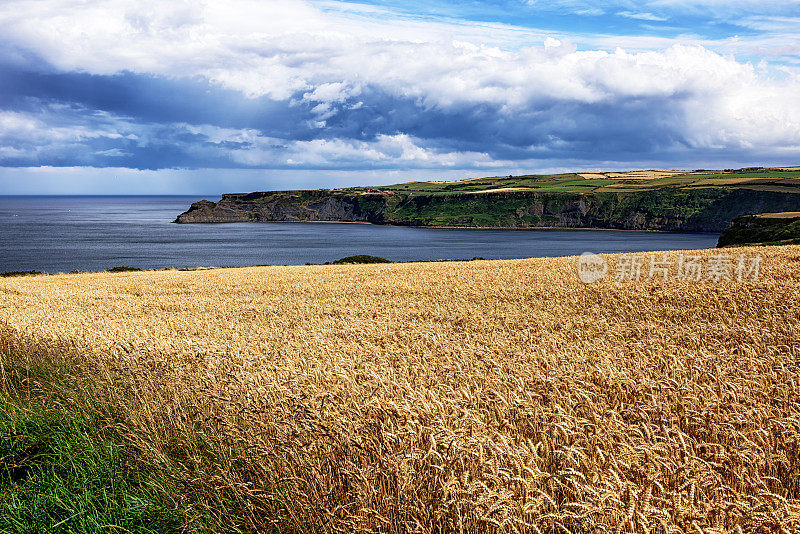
(205, 97)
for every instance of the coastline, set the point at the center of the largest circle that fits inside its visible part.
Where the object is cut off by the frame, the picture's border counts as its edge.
(549, 202)
(550, 228)
(134, 271)
(446, 227)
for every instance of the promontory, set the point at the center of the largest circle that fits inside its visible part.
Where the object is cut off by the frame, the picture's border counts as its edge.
(688, 201)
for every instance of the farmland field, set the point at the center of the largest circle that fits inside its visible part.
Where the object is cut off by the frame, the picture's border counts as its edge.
(451, 397)
(611, 181)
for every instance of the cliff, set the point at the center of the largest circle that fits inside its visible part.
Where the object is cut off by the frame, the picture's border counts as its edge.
(288, 206)
(763, 229)
(671, 209)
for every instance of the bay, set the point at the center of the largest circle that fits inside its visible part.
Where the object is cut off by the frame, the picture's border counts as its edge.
(93, 233)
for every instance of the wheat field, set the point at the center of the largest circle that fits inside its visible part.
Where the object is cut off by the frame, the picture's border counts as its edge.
(483, 396)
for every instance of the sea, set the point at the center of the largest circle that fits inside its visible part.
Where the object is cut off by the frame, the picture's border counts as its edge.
(95, 233)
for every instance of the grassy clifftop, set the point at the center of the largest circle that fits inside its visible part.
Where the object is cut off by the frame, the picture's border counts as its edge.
(636, 200)
(764, 229)
(783, 179)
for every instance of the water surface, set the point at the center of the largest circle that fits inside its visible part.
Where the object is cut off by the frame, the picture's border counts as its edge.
(61, 234)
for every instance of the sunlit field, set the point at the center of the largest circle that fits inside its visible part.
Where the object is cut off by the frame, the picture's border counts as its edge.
(473, 396)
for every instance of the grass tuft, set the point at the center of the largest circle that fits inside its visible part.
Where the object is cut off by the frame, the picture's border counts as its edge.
(9, 274)
(72, 460)
(360, 258)
(59, 474)
(123, 269)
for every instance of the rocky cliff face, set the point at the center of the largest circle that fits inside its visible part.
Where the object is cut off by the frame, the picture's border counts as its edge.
(765, 229)
(700, 210)
(292, 206)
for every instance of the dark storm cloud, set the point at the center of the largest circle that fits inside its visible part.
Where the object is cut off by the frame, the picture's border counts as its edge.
(142, 121)
(150, 98)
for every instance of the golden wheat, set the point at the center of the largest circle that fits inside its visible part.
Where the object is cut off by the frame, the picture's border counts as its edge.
(463, 396)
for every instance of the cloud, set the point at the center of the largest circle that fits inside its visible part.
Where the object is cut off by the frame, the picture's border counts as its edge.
(590, 12)
(718, 8)
(642, 16)
(292, 85)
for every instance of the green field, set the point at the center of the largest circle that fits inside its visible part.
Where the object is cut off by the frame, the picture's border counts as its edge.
(763, 179)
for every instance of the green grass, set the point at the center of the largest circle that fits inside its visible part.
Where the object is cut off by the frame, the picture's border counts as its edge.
(502, 182)
(123, 269)
(571, 182)
(8, 274)
(749, 230)
(59, 474)
(70, 462)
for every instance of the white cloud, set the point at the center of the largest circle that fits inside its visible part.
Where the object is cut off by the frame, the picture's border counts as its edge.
(641, 16)
(292, 49)
(400, 150)
(759, 5)
(37, 129)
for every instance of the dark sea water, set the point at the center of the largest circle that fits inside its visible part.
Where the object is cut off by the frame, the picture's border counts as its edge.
(61, 234)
